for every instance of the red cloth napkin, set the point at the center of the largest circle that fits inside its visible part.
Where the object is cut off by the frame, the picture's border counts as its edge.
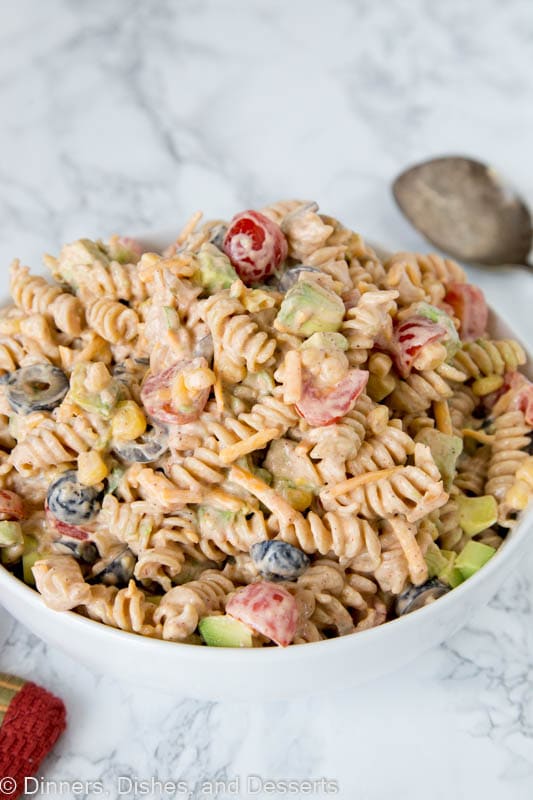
(31, 721)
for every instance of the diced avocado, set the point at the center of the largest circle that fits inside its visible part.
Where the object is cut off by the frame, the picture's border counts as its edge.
(455, 577)
(309, 308)
(215, 271)
(102, 402)
(476, 514)
(445, 451)
(379, 388)
(225, 631)
(472, 557)
(29, 557)
(27, 567)
(10, 533)
(436, 561)
(121, 249)
(114, 478)
(155, 599)
(441, 565)
(245, 462)
(325, 341)
(263, 473)
(192, 570)
(83, 252)
(213, 519)
(439, 316)
(298, 496)
(450, 574)
(284, 460)
(172, 320)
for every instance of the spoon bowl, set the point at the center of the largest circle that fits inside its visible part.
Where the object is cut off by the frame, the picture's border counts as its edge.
(465, 208)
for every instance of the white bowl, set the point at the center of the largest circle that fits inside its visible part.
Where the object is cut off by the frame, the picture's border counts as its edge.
(267, 673)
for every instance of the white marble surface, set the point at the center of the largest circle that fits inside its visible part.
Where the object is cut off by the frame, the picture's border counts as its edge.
(119, 116)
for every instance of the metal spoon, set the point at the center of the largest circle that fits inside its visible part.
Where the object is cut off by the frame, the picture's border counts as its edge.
(463, 207)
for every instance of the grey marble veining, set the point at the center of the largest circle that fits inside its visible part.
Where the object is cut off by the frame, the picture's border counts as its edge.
(121, 115)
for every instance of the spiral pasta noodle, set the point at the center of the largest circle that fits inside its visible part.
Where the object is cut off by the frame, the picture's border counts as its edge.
(511, 438)
(485, 357)
(345, 536)
(126, 609)
(54, 444)
(33, 294)
(369, 317)
(267, 412)
(419, 390)
(181, 607)
(236, 333)
(387, 449)
(61, 583)
(112, 320)
(411, 491)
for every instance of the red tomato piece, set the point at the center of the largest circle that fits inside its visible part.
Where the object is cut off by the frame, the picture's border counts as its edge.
(522, 394)
(319, 407)
(470, 307)
(255, 245)
(157, 398)
(11, 505)
(410, 337)
(64, 528)
(268, 608)
(524, 401)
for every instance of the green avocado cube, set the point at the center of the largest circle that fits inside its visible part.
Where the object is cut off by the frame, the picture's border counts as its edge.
(450, 574)
(30, 556)
(472, 557)
(309, 308)
(10, 533)
(476, 514)
(452, 341)
(445, 450)
(436, 561)
(82, 253)
(325, 341)
(215, 271)
(441, 565)
(225, 631)
(102, 402)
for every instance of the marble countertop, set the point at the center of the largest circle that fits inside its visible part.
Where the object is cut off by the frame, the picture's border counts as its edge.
(126, 116)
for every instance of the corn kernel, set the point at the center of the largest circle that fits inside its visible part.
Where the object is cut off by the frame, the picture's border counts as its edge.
(91, 468)
(431, 356)
(378, 418)
(128, 421)
(378, 388)
(484, 386)
(198, 379)
(379, 364)
(518, 496)
(299, 497)
(443, 420)
(525, 471)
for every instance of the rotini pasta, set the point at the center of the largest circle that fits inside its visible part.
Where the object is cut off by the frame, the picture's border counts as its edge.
(264, 435)
(33, 294)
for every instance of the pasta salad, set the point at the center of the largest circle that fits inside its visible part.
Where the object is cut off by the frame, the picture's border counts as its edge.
(265, 435)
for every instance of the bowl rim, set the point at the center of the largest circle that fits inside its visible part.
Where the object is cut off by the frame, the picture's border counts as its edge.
(337, 644)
